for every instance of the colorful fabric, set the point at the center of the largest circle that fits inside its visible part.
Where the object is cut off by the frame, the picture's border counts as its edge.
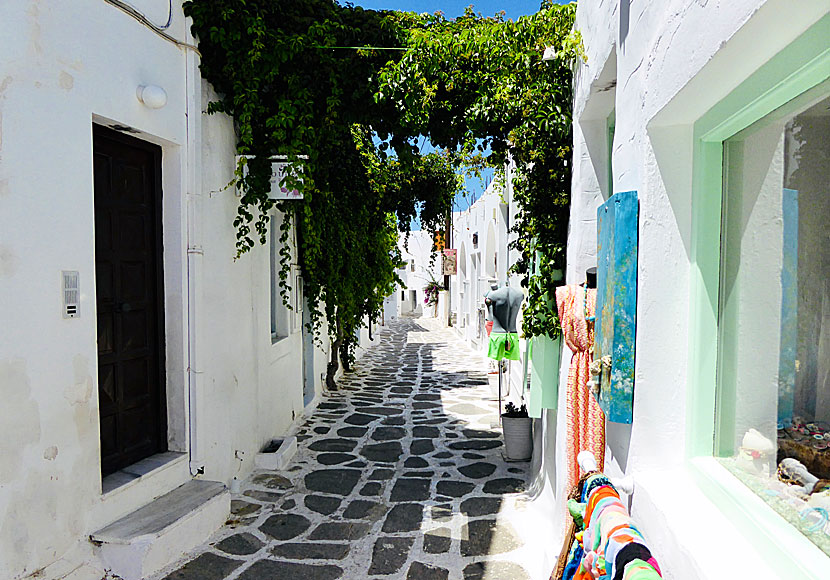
(627, 554)
(585, 420)
(503, 345)
(488, 326)
(611, 540)
(640, 570)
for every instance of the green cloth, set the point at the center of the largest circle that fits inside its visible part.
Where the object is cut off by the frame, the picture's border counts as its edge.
(544, 376)
(504, 345)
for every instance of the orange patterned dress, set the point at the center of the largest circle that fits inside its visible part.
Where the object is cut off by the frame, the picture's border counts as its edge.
(585, 420)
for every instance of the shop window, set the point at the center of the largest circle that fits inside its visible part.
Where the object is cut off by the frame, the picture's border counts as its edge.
(773, 405)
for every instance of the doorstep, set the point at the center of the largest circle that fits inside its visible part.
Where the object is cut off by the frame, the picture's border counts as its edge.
(157, 534)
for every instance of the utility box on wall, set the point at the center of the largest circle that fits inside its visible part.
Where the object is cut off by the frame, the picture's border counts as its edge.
(616, 313)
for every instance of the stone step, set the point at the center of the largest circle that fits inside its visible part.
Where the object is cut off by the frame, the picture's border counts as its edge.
(160, 532)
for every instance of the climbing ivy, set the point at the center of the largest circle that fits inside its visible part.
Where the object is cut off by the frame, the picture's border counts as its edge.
(480, 87)
(345, 94)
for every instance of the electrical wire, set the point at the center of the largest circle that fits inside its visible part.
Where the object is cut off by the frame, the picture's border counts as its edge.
(159, 30)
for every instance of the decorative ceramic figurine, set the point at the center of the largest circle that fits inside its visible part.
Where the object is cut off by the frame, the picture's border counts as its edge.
(755, 453)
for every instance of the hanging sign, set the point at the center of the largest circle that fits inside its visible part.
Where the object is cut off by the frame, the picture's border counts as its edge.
(449, 262)
(279, 170)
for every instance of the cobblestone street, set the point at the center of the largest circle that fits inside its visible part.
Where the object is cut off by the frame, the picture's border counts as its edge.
(399, 474)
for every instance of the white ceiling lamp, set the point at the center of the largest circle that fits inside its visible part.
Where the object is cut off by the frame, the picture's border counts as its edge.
(153, 96)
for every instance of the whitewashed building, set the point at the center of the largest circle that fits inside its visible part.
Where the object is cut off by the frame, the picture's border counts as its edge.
(718, 115)
(136, 354)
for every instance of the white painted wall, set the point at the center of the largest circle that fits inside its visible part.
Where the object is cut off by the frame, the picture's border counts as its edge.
(660, 66)
(63, 67)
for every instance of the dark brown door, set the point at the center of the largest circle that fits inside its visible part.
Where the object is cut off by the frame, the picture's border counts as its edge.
(128, 281)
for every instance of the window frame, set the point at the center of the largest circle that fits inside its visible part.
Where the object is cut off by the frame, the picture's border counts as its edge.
(789, 75)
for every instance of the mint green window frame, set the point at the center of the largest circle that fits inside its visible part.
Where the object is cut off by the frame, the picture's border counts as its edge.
(802, 66)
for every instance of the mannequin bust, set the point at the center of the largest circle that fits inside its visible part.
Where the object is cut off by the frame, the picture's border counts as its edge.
(504, 304)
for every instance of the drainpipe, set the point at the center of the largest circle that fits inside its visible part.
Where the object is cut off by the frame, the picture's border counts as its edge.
(195, 252)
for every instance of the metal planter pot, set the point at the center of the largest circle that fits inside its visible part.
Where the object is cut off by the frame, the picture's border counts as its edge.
(518, 438)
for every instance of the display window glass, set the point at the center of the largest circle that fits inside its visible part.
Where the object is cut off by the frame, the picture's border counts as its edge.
(773, 405)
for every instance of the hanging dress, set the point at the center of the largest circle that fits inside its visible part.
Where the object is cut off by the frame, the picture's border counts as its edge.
(584, 419)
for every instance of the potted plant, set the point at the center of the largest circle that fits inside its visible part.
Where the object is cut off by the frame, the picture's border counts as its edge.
(431, 291)
(516, 426)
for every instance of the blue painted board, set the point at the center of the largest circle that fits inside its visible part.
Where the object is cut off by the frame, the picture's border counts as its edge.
(616, 317)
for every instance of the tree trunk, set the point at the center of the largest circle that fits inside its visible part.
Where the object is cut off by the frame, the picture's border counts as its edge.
(344, 357)
(334, 362)
(334, 365)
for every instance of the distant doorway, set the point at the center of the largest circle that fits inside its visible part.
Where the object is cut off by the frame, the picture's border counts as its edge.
(129, 298)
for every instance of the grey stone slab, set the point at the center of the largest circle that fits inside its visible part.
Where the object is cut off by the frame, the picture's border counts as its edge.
(243, 508)
(504, 485)
(437, 541)
(478, 444)
(394, 421)
(205, 567)
(481, 506)
(487, 537)
(429, 432)
(382, 474)
(361, 509)
(416, 462)
(353, 432)
(390, 554)
(388, 433)
(285, 526)
(240, 544)
(388, 452)
(478, 470)
(340, 531)
(160, 513)
(356, 464)
(405, 517)
(360, 419)
(427, 474)
(271, 481)
(372, 488)
(334, 458)
(322, 430)
(454, 488)
(420, 571)
(342, 445)
(495, 570)
(478, 434)
(471, 455)
(311, 551)
(410, 490)
(322, 504)
(268, 569)
(334, 481)
(421, 447)
(267, 496)
(384, 411)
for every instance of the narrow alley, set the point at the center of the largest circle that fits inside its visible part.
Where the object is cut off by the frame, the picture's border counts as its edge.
(399, 474)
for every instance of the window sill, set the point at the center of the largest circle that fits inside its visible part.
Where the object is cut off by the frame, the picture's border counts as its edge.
(784, 548)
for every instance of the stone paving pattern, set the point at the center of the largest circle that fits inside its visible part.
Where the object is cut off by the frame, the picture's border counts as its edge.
(399, 475)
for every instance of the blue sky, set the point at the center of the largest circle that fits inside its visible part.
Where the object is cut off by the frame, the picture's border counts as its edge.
(451, 8)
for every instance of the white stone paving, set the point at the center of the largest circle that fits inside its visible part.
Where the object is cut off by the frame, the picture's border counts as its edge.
(399, 475)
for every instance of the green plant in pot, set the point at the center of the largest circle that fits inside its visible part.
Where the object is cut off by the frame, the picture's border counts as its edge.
(518, 438)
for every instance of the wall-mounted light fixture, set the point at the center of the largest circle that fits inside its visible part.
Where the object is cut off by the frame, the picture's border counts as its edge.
(153, 96)
(549, 54)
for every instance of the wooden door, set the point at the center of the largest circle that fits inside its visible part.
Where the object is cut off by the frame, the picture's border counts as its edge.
(129, 283)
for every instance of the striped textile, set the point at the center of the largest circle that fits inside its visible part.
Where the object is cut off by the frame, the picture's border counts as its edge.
(585, 420)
